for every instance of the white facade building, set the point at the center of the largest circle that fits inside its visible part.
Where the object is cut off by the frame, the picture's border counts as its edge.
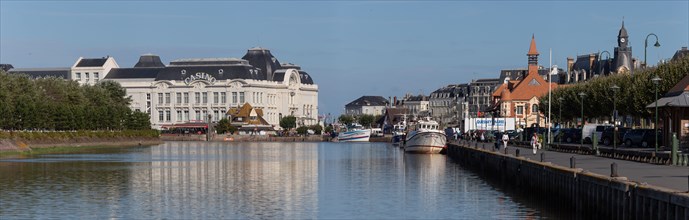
(89, 71)
(368, 105)
(188, 90)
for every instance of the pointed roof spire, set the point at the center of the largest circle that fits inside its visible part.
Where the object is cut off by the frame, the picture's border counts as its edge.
(623, 31)
(532, 47)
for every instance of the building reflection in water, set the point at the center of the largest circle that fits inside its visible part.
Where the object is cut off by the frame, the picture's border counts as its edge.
(276, 180)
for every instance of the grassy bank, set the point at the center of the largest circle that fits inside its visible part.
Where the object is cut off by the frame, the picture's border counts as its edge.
(69, 149)
(62, 135)
(17, 143)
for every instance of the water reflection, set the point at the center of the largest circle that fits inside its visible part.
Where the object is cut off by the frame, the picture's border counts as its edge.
(183, 180)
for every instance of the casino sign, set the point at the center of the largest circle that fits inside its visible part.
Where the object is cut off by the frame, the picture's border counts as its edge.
(200, 77)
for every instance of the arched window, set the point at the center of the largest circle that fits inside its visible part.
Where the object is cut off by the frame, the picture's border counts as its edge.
(534, 108)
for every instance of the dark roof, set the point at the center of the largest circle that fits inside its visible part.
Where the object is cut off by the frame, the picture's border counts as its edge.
(262, 58)
(417, 98)
(44, 72)
(305, 78)
(623, 31)
(96, 62)
(681, 53)
(149, 60)
(279, 76)
(124, 73)
(369, 101)
(6, 67)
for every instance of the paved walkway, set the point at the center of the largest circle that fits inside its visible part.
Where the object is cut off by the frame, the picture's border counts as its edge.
(671, 177)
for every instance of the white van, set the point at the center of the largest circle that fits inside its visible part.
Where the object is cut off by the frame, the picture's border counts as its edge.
(589, 129)
(376, 132)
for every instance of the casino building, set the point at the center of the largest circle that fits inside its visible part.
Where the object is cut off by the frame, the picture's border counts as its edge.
(189, 90)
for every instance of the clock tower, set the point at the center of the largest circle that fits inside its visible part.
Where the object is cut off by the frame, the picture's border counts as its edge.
(623, 53)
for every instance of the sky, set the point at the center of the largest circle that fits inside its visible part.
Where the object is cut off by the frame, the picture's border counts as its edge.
(350, 48)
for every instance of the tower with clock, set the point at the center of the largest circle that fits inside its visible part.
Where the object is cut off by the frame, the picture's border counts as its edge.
(623, 53)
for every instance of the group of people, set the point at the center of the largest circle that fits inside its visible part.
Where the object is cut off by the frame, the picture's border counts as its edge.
(535, 142)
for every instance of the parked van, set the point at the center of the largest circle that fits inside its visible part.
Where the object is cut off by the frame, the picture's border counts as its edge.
(590, 129)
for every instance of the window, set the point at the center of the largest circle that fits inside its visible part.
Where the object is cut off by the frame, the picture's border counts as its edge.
(520, 110)
(148, 107)
(186, 115)
(95, 77)
(86, 75)
(179, 115)
(223, 97)
(241, 97)
(205, 97)
(215, 97)
(78, 77)
(198, 115)
(160, 98)
(216, 115)
(148, 96)
(167, 115)
(179, 97)
(234, 97)
(160, 116)
(534, 108)
(167, 98)
(205, 114)
(197, 96)
(186, 98)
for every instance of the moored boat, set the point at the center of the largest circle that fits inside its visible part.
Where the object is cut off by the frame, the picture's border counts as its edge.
(355, 134)
(426, 138)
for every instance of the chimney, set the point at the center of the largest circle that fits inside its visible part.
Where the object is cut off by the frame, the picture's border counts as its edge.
(395, 100)
(570, 64)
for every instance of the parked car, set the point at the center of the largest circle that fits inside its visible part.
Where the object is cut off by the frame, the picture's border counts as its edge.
(569, 135)
(607, 136)
(590, 129)
(641, 137)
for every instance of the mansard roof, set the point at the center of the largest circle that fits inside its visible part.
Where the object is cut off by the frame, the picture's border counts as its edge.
(149, 60)
(59, 72)
(133, 73)
(368, 101)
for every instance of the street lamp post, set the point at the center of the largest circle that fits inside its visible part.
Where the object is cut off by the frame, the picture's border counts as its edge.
(614, 88)
(656, 81)
(582, 95)
(559, 119)
(646, 45)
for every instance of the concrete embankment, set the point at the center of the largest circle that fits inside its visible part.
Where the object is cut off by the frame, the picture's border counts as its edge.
(590, 195)
(259, 138)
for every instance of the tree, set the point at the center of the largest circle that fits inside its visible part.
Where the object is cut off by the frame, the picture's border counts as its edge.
(345, 119)
(302, 130)
(329, 128)
(288, 122)
(224, 126)
(317, 129)
(366, 120)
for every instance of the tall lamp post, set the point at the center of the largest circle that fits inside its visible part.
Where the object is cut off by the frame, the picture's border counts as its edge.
(600, 66)
(646, 45)
(614, 88)
(559, 119)
(656, 81)
(582, 95)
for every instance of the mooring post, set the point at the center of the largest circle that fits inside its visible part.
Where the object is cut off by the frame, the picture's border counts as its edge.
(675, 145)
(572, 162)
(505, 149)
(516, 153)
(542, 156)
(613, 170)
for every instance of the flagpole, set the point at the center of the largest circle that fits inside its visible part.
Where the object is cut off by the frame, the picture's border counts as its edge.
(549, 92)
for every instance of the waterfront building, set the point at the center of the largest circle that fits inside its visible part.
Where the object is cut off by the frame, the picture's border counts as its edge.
(445, 104)
(249, 120)
(593, 65)
(479, 99)
(416, 105)
(519, 98)
(189, 90)
(519, 73)
(369, 105)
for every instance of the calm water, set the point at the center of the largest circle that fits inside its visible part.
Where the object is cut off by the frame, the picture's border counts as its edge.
(252, 180)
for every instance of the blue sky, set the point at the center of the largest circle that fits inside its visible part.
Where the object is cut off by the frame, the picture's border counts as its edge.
(351, 48)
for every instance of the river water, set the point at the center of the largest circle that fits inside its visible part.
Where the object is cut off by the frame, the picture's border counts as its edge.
(191, 180)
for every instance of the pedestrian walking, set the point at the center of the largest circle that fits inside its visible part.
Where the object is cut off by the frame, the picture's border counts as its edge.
(534, 143)
(505, 139)
(483, 138)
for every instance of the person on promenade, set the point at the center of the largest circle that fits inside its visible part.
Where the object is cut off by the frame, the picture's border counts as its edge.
(483, 138)
(505, 138)
(534, 142)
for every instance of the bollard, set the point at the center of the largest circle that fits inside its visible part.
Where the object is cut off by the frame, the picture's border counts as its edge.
(613, 170)
(572, 162)
(542, 156)
(675, 145)
(594, 142)
(516, 153)
(505, 150)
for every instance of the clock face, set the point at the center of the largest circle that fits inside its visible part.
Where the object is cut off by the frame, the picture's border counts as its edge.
(622, 40)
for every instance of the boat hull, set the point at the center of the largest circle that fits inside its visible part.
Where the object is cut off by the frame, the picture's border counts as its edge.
(354, 136)
(425, 142)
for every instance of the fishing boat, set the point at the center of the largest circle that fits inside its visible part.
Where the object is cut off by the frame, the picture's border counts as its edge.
(399, 132)
(425, 138)
(354, 133)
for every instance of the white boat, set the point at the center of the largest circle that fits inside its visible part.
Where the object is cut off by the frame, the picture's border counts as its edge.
(398, 132)
(426, 138)
(355, 134)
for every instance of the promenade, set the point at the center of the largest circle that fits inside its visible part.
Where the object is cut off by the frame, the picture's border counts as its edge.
(671, 177)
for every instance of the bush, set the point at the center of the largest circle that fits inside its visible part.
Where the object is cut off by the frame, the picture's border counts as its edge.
(317, 129)
(302, 130)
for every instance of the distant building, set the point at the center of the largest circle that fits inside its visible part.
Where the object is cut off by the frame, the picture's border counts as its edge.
(369, 105)
(479, 97)
(445, 104)
(518, 74)
(588, 66)
(86, 71)
(248, 120)
(416, 105)
(6, 67)
(681, 53)
(519, 99)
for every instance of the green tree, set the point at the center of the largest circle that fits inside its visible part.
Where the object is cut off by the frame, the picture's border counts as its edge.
(302, 130)
(317, 129)
(345, 119)
(329, 128)
(223, 126)
(288, 122)
(366, 120)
